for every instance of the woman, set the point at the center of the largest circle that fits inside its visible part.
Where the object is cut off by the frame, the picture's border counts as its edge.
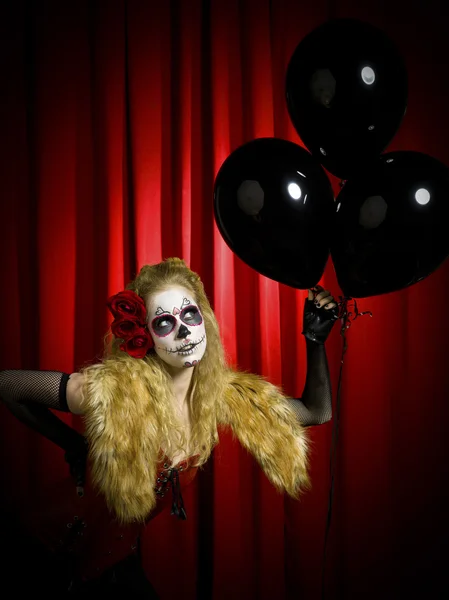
(151, 410)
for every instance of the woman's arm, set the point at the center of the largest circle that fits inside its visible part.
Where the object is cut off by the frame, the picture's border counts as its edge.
(30, 394)
(315, 405)
(75, 393)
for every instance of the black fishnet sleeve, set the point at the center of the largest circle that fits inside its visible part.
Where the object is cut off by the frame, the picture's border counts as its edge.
(37, 387)
(315, 405)
(30, 394)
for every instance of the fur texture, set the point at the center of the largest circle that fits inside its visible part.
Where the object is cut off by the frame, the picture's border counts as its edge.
(263, 421)
(124, 417)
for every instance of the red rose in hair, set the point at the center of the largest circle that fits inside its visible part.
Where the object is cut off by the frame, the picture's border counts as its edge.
(138, 345)
(125, 328)
(130, 323)
(128, 304)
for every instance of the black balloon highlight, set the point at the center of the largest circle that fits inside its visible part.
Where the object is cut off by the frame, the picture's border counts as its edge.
(392, 224)
(346, 89)
(274, 207)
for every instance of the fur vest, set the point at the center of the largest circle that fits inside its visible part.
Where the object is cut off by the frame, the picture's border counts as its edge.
(123, 427)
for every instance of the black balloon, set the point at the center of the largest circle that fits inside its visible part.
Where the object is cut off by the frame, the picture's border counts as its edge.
(346, 89)
(274, 207)
(392, 224)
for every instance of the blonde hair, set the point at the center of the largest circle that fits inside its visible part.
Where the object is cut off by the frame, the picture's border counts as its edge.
(209, 375)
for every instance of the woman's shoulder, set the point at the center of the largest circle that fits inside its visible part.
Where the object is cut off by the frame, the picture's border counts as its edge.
(117, 380)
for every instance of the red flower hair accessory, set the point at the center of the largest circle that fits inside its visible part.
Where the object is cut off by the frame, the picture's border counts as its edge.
(130, 323)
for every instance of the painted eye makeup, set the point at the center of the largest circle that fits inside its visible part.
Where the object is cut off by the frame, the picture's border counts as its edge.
(190, 315)
(163, 325)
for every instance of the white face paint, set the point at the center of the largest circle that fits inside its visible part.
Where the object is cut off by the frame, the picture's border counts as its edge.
(177, 327)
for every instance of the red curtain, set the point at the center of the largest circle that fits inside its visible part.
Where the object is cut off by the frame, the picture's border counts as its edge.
(116, 117)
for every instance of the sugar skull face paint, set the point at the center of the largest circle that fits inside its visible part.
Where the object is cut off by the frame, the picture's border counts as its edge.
(177, 327)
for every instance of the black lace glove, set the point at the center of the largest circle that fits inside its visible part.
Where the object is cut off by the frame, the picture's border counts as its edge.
(320, 314)
(77, 461)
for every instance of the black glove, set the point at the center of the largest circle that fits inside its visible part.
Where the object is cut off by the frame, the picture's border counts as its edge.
(318, 321)
(77, 461)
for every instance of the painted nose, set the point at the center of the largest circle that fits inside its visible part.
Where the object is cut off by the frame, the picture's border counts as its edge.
(183, 332)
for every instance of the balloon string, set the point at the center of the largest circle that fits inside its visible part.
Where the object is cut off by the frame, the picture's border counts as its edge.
(347, 313)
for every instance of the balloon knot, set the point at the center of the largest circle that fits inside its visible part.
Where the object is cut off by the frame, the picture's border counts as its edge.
(348, 312)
